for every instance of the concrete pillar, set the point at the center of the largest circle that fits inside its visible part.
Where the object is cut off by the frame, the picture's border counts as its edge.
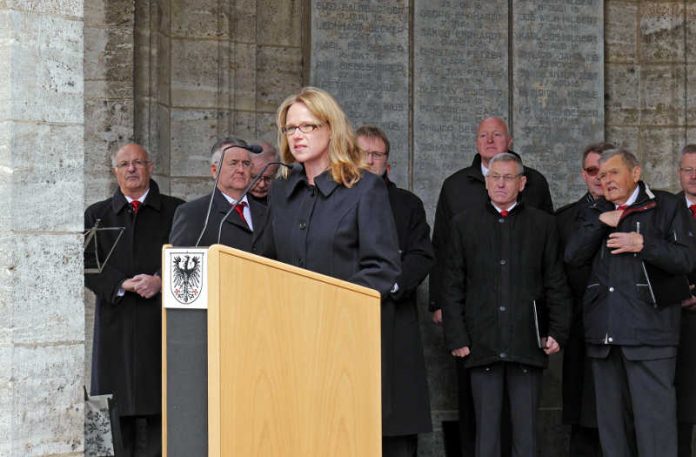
(41, 195)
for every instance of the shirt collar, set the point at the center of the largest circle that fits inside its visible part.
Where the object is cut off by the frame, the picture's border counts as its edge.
(632, 199)
(500, 209)
(141, 199)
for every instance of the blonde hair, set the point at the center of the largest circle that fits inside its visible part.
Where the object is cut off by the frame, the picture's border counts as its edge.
(345, 158)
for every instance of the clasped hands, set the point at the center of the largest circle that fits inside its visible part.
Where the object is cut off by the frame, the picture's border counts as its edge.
(147, 286)
(621, 242)
(550, 346)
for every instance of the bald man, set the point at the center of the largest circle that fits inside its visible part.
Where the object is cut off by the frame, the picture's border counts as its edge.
(126, 359)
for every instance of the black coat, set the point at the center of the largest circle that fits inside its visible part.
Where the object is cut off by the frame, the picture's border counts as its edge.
(496, 268)
(617, 304)
(190, 217)
(464, 190)
(347, 233)
(579, 406)
(686, 356)
(405, 400)
(126, 358)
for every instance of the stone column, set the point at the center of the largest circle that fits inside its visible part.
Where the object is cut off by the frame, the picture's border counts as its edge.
(41, 194)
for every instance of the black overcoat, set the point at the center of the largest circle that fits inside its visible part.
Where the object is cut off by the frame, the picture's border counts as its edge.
(579, 404)
(405, 400)
(126, 358)
(496, 270)
(466, 189)
(686, 356)
(190, 217)
(347, 233)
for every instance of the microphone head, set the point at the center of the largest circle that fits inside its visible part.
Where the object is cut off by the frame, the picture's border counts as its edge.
(296, 167)
(254, 148)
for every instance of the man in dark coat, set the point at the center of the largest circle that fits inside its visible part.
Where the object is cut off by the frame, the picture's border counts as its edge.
(641, 245)
(578, 386)
(243, 226)
(405, 401)
(267, 155)
(127, 355)
(465, 190)
(686, 355)
(506, 305)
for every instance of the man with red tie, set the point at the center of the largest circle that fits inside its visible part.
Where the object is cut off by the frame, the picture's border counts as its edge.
(686, 355)
(126, 358)
(640, 245)
(242, 228)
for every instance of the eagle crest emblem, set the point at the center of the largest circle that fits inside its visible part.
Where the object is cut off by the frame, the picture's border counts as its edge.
(186, 277)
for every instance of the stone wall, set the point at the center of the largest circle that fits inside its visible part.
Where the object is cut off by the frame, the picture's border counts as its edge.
(650, 84)
(41, 189)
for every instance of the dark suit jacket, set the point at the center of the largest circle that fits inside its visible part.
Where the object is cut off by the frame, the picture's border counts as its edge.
(466, 190)
(405, 399)
(686, 356)
(190, 217)
(126, 358)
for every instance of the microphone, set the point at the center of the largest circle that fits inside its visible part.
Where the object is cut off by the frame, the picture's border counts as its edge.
(293, 167)
(253, 148)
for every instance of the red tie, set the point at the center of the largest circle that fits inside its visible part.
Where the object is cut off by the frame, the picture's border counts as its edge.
(240, 210)
(693, 211)
(504, 213)
(622, 207)
(135, 205)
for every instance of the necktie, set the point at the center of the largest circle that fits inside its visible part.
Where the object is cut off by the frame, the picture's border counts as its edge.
(135, 205)
(622, 207)
(504, 213)
(239, 209)
(693, 210)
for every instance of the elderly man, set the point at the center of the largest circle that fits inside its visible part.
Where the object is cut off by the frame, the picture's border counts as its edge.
(126, 359)
(267, 155)
(578, 386)
(405, 402)
(640, 245)
(243, 225)
(465, 190)
(505, 305)
(686, 357)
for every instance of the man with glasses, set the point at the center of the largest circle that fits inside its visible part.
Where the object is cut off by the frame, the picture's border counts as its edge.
(245, 217)
(641, 248)
(126, 356)
(267, 155)
(505, 305)
(405, 401)
(686, 356)
(462, 191)
(578, 386)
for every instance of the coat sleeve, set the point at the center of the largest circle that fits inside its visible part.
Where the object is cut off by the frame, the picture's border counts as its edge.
(106, 284)
(378, 251)
(586, 240)
(454, 292)
(556, 291)
(676, 253)
(183, 228)
(546, 201)
(441, 231)
(417, 258)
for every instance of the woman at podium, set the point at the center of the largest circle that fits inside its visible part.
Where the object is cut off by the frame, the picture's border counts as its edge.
(329, 214)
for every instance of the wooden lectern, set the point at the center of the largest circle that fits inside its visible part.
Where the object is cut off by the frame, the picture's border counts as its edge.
(261, 358)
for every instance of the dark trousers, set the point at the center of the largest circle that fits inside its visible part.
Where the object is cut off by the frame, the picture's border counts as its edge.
(584, 442)
(141, 436)
(400, 446)
(685, 437)
(645, 387)
(489, 384)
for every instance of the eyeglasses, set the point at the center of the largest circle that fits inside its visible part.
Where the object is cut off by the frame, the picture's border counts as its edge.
(592, 171)
(505, 178)
(137, 163)
(304, 128)
(375, 155)
(687, 170)
(263, 179)
(234, 163)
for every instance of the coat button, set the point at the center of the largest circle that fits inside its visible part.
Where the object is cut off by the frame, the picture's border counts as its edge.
(502, 308)
(303, 225)
(503, 261)
(300, 262)
(611, 289)
(610, 339)
(503, 355)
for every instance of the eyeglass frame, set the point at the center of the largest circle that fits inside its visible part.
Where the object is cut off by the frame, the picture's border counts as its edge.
(137, 163)
(377, 155)
(506, 178)
(304, 128)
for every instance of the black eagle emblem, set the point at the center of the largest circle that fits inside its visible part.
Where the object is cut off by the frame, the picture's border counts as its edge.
(186, 277)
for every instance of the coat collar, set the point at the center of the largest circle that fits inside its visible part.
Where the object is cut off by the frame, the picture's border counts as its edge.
(324, 183)
(646, 200)
(153, 199)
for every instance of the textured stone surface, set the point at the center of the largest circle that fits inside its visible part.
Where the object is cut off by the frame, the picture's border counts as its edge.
(620, 31)
(200, 19)
(360, 55)
(194, 132)
(661, 31)
(558, 81)
(198, 73)
(621, 105)
(460, 77)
